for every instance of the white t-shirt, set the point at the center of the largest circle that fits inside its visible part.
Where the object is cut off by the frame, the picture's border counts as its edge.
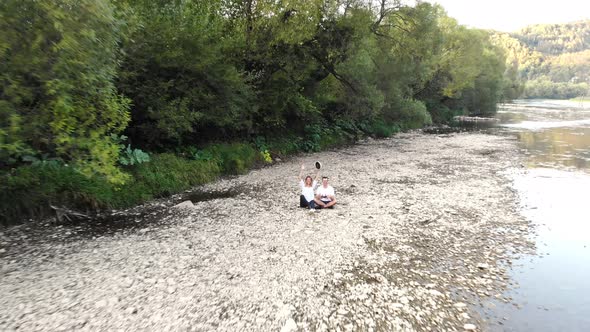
(325, 192)
(307, 192)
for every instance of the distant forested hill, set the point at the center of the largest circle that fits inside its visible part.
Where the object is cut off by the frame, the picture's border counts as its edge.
(547, 60)
(556, 39)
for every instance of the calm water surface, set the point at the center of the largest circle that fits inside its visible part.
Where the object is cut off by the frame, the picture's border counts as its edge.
(553, 292)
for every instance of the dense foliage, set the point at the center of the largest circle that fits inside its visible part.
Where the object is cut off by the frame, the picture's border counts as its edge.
(556, 38)
(184, 79)
(58, 61)
(547, 61)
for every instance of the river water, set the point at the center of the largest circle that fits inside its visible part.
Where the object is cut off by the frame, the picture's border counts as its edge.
(552, 288)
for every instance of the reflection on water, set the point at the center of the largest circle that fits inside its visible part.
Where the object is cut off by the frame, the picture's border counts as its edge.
(554, 287)
(551, 136)
(557, 148)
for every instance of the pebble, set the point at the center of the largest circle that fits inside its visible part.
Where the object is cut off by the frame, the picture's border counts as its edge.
(469, 327)
(113, 300)
(131, 310)
(100, 304)
(184, 205)
(128, 282)
(289, 326)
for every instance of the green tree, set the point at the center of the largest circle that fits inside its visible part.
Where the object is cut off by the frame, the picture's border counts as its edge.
(488, 87)
(181, 76)
(58, 61)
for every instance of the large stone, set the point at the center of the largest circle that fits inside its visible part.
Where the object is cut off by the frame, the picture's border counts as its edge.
(184, 205)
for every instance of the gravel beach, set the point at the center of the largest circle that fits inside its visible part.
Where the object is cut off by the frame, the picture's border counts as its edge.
(423, 233)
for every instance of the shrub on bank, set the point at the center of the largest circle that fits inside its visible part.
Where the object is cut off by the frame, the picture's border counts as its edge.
(233, 158)
(380, 129)
(284, 146)
(167, 174)
(413, 114)
(29, 191)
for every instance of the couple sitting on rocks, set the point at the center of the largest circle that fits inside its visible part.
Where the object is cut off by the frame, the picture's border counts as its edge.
(324, 196)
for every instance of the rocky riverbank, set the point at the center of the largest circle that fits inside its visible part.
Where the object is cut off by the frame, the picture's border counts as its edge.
(425, 228)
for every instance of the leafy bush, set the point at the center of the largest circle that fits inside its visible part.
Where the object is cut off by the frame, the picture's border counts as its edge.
(349, 129)
(312, 138)
(133, 192)
(260, 143)
(413, 114)
(167, 174)
(131, 157)
(266, 157)
(203, 155)
(30, 190)
(442, 114)
(284, 146)
(234, 158)
(380, 129)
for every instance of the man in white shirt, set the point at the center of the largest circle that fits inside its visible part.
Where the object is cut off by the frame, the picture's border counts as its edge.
(324, 195)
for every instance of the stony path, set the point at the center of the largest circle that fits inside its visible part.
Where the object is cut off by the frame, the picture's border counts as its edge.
(423, 228)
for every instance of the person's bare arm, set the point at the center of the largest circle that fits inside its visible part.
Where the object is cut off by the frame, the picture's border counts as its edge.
(301, 172)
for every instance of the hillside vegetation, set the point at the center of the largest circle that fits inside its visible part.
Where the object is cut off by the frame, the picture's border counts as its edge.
(547, 60)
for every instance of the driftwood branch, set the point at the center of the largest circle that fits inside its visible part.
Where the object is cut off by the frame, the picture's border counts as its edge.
(62, 214)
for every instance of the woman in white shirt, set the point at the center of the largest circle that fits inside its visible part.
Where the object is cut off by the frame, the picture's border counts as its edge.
(307, 185)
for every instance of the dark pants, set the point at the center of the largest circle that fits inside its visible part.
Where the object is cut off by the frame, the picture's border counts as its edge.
(304, 203)
(326, 202)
